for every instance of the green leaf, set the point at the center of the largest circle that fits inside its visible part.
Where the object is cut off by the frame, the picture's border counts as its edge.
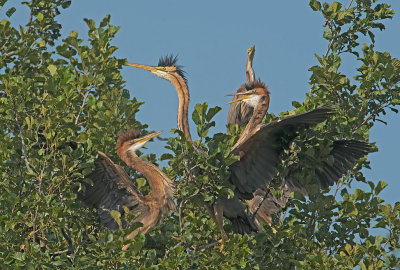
(105, 21)
(90, 23)
(52, 69)
(212, 112)
(336, 6)
(315, 5)
(110, 237)
(117, 217)
(10, 12)
(379, 187)
(328, 34)
(66, 4)
(40, 16)
(358, 194)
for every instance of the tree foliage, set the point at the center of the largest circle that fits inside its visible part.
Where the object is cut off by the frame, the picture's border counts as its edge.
(62, 99)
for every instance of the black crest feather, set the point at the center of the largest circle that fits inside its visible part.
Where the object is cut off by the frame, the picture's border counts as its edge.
(168, 61)
(171, 61)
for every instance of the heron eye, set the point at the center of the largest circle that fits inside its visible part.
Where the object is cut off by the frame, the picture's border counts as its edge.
(162, 68)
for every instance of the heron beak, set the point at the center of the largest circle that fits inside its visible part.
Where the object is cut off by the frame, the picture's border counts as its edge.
(149, 68)
(251, 51)
(147, 137)
(245, 95)
(239, 99)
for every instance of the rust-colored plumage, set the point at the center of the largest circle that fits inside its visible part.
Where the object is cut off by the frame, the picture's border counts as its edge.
(113, 189)
(239, 112)
(259, 148)
(169, 70)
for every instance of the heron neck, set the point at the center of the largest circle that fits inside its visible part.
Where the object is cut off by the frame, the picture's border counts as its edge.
(250, 75)
(158, 181)
(183, 107)
(252, 126)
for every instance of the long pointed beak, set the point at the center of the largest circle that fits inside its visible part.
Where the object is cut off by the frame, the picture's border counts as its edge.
(251, 50)
(239, 99)
(245, 95)
(148, 137)
(149, 68)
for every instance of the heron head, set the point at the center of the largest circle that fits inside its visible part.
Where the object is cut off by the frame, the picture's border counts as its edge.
(166, 68)
(130, 140)
(251, 93)
(251, 51)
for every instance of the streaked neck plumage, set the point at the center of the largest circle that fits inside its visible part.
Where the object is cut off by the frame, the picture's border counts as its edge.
(183, 107)
(259, 112)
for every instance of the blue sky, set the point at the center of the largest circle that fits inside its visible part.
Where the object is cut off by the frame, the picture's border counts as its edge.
(211, 39)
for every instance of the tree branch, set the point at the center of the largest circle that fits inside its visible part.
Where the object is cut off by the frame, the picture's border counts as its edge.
(29, 21)
(349, 4)
(67, 236)
(205, 246)
(23, 143)
(83, 103)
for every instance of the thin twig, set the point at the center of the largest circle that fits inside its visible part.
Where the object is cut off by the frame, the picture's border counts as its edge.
(10, 54)
(83, 103)
(335, 36)
(180, 214)
(30, 21)
(23, 144)
(67, 236)
(349, 4)
(60, 252)
(34, 223)
(37, 206)
(174, 247)
(206, 246)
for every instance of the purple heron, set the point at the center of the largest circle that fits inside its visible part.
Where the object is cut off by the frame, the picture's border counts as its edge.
(258, 143)
(259, 146)
(170, 71)
(240, 113)
(113, 189)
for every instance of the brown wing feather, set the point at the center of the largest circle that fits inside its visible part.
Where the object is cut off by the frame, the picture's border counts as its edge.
(258, 163)
(112, 188)
(345, 154)
(260, 152)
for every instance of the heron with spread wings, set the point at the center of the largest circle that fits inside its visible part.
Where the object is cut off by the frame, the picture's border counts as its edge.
(259, 146)
(113, 189)
(264, 204)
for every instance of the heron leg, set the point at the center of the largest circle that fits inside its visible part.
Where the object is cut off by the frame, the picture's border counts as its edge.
(130, 236)
(219, 219)
(216, 214)
(266, 219)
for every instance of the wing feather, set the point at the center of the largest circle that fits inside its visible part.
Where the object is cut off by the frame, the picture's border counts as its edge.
(112, 189)
(260, 152)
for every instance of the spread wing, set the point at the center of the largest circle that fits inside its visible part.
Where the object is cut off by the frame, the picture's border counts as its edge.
(112, 188)
(345, 154)
(260, 152)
